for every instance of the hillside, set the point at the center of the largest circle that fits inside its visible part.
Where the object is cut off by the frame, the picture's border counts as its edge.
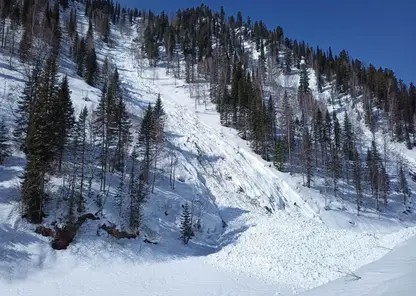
(258, 227)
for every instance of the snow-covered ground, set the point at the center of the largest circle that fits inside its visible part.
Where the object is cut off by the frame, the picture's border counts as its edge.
(394, 274)
(278, 238)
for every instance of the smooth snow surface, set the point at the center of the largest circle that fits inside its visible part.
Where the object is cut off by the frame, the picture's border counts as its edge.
(188, 277)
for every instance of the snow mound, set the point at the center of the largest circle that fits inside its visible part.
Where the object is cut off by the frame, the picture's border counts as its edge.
(302, 253)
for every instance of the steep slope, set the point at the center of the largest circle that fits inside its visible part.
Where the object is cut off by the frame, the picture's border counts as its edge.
(292, 246)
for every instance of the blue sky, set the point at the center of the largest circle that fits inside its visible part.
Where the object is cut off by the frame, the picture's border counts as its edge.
(381, 32)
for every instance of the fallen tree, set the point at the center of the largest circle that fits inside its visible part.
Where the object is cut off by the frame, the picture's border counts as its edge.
(118, 234)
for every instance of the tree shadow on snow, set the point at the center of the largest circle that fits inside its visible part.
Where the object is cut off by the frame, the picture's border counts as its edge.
(16, 253)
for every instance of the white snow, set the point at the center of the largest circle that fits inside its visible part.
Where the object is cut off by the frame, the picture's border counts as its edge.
(279, 240)
(394, 274)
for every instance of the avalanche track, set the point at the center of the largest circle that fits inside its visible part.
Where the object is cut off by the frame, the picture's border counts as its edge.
(292, 246)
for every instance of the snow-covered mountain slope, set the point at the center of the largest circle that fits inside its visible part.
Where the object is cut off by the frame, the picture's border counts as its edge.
(262, 232)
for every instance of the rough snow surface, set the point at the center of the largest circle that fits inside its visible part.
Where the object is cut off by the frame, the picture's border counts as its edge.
(394, 274)
(301, 253)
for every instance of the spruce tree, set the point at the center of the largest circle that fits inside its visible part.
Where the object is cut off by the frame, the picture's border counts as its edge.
(186, 224)
(304, 80)
(270, 127)
(122, 124)
(5, 150)
(64, 118)
(307, 156)
(347, 144)
(146, 141)
(403, 186)
(159, 123)
(24, 109)
(80, 150)
(288, 61)
(357, 176)
(91, 67)
(385, 184)
(279, 156)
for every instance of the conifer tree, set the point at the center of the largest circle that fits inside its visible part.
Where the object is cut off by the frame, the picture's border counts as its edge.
(347, 143)
(279, 156)
(304, 80)
(80, 57)
(287, 127)
(105, 127)
(146, 142)
(5, 149)
(64, 118)
(270, 127)
(24, 108)
(317, 133)
(91, 67)
(159, 123)
(357, 176)
(307, 156)
(385, 184)
(288, 61)
(40, 145)
(122, 124)
(134, 215)
(403, 186)
(186, 224)
(80, 150)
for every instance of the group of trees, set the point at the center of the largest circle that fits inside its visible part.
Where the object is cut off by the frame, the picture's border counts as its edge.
(290, 128)
(56, 143)
(83, 147)
(287, 127)
(217, 43)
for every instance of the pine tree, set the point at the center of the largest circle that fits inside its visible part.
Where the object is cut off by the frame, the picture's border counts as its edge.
(80, 150)
(373, 169)
(5, 150)
(159, 123)
(404, 188)
(134, 216)
(279, 156)
(105, 126)
(186, 224)
(288, 61)
(385, 185)
(24, 109)
(40, 145)
(304, 80)
(270, 128)
(91, 67)
(347, 144)
(287, 127)
(122, 124)
(64, 118)
(317, 133)
(307, 156)
(146, 142)
(357, 176)
(80, 57)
